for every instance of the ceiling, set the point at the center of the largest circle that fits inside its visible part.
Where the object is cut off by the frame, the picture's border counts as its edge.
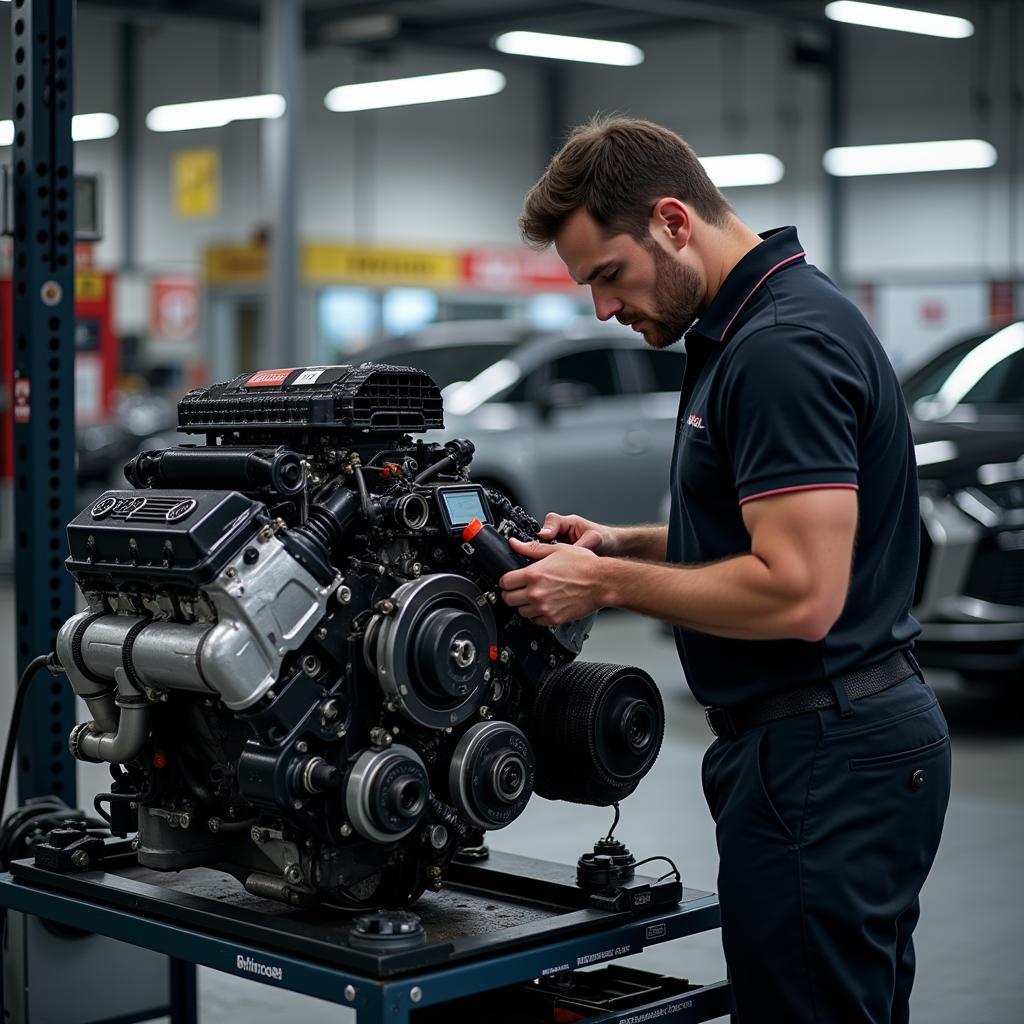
(471, 24)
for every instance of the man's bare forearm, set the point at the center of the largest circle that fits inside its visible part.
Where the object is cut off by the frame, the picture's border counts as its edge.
(649, 542)
(739, 597)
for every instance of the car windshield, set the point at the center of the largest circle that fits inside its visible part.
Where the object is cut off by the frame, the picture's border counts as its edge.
(447, 363)
(985, 374)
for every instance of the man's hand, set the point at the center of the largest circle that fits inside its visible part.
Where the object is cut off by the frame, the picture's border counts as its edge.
(579, 532)
(562, 584)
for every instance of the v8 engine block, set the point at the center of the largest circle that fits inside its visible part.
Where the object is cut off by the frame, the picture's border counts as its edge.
(295, 654)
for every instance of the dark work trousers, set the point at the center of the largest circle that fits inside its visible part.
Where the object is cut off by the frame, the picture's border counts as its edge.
(827, 828)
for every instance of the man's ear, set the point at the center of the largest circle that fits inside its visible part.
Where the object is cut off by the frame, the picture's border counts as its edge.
(671, 222)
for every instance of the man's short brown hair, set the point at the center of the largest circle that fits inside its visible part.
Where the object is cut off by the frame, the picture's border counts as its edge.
(617, 168)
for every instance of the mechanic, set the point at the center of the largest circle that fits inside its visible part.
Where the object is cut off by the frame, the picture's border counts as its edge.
(787, 570)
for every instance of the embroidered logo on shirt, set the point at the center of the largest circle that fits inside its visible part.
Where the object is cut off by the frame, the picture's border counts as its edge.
(695, 421)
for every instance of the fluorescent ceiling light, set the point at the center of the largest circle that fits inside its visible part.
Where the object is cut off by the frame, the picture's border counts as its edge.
(401, 92)
(899, 19)
(93, 126)
(179, 117)
(592, 51)
(743, 169)
(83, 128)
(909, 157)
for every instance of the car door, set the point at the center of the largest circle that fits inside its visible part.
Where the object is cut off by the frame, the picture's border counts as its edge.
(593, 450)
(660, 373)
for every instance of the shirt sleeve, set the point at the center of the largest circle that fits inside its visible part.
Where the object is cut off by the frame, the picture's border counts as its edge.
(792, 401)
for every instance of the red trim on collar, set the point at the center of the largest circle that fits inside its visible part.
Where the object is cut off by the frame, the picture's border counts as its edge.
(778, 266)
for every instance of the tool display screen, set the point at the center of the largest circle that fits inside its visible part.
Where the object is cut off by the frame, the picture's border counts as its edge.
(462, 507)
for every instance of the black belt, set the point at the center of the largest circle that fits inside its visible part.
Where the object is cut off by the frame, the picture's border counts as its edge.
(730, 722)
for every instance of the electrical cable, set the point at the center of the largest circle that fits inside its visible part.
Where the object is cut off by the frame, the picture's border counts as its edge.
(42, 661)
(668, 860)
(615, 823)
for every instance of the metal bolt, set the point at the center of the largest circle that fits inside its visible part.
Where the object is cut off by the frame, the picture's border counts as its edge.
(293, 874)
(185, 821)
(505, 656)
(133, 805)
(279, 523)
(265, 534)
(311, 664)
(135, 843)
(321, 633)
(231, 572)
(257, 835)
(344, 595)
(270, 695)
(350, 992)
(438, 835)
(416, 568)
(80, 859)
(487, 675)
(917, 780)
(485, 711)
(302, 746)
(385, 607)
(345, 831)
(534, 646)
(380, 737)
(415, 993)
(213, 824)
(403, 690)
(329, 710)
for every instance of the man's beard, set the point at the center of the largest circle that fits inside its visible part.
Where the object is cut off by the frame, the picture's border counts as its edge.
(678, 293)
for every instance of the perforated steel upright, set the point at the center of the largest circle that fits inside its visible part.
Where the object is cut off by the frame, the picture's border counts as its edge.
(43, 386)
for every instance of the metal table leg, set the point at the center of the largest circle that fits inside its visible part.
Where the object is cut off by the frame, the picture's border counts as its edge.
(184, 1006)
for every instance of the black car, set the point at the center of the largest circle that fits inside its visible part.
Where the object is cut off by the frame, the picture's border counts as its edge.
(967, 411)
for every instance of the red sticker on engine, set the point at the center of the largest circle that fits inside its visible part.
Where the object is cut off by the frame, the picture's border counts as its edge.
(269, 378)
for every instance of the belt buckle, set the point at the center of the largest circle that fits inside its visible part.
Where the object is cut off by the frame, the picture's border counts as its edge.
(720, 723)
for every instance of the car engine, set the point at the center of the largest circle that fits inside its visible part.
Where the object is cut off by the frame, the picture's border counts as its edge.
(295, 655)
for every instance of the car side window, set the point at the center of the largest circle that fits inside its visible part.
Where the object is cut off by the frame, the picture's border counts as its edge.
(595, 370)
(1002, 385)
(664, 368)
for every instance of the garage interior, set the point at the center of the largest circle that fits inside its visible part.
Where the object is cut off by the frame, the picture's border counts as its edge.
(312, 223)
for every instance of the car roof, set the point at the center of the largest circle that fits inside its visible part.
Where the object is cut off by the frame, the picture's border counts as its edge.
(466, 332)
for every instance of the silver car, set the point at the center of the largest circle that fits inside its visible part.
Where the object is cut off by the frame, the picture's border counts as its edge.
(578, 420)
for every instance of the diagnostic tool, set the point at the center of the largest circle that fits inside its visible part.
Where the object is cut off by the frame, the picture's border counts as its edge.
(460, 505)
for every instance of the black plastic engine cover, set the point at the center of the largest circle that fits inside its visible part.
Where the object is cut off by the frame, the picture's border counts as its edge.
(371, 397)
(159, 537)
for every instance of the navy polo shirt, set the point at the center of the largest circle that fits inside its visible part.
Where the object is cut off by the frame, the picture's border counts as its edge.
(786, 388)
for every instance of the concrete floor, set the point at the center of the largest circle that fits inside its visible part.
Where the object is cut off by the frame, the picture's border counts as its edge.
(972, 922)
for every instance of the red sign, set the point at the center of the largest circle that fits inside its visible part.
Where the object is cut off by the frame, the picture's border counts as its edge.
(22, 400)
(932, 311)
(510, 269)
(268, 378)
(174, 307)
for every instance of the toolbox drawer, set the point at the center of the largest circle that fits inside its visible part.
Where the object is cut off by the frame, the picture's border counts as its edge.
(614, 994)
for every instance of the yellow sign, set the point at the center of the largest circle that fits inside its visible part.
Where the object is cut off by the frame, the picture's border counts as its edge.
(89, 287)
(356, 264)
(196, 175)
(236, 264)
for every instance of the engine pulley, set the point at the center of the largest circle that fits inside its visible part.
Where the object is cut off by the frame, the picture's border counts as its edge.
(598, 729)
(386, 793)
(491, 775)
(431, 654)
